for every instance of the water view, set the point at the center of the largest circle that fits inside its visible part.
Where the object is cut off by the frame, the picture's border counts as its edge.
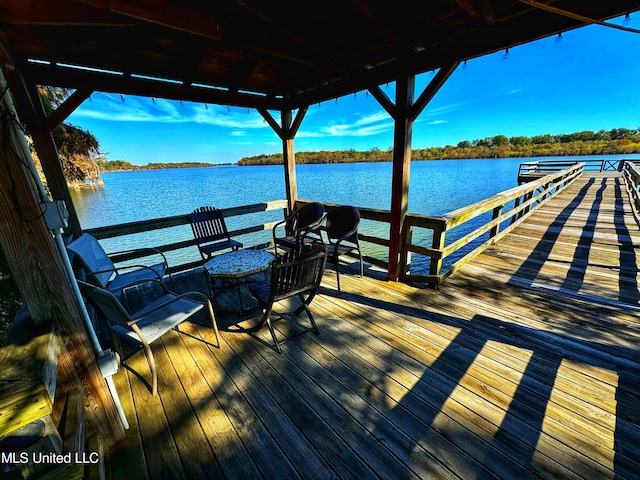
(436, 188)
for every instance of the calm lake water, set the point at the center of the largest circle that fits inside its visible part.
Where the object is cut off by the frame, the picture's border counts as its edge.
(436, 187)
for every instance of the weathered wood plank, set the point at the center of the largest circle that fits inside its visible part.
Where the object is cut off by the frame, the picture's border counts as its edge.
(460, 409)
(163, 459)
(127, 458)
(191, 441)
(226, 398)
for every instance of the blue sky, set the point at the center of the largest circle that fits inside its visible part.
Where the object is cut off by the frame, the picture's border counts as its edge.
(589, 80)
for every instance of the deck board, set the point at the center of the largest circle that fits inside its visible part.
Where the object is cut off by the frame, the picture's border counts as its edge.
(524, 364)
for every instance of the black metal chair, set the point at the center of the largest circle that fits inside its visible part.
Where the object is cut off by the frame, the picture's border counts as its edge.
(299, 225)
(341, 227)
(297, 273)
(148, 324)
(210, 231)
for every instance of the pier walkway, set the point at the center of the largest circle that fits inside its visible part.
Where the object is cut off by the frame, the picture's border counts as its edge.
(524, 364)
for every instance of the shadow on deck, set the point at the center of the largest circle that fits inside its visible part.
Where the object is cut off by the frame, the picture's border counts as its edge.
(481, 379)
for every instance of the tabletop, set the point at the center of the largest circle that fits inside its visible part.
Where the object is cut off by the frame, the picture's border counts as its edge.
(239, 263)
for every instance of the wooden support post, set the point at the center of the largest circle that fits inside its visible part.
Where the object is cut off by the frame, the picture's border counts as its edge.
(31, 112)
(401, 166)
(404, 113)
(405, 255)
(289, 157)
(435, 264)
(287, 132)
(38, 268)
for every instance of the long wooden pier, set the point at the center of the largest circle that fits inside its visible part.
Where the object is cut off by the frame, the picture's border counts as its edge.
(524, 364)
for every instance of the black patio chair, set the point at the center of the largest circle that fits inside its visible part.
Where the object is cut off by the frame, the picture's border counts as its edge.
(296, 273)
(148, 324)
(299, 225)
(341, 227)
(210, 231)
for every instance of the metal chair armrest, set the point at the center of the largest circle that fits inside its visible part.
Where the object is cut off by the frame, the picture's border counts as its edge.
(151, 250)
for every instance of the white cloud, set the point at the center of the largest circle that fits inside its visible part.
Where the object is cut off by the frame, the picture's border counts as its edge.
(368, 125)
(114, 108)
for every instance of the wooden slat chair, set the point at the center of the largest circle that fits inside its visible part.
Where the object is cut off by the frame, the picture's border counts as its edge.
(341, 227)
(299, 225)
(101, 271)
(297, 273)
(148, 324)
(210, 231)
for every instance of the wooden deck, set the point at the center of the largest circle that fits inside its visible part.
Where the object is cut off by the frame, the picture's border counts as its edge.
(525, 364)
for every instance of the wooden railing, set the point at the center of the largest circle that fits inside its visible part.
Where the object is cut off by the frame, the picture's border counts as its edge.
(529, 171)
(504, 211)
(631, 175)
(521, 200)
(132, 228)
(367, 236)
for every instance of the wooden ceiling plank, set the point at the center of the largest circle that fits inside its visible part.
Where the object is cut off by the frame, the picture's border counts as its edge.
(301, 42)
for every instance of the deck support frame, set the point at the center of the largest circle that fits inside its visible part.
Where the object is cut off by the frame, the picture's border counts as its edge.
(287, 131)
(404, 112)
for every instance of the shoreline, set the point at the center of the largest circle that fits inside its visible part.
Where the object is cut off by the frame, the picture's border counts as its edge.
(523, 160)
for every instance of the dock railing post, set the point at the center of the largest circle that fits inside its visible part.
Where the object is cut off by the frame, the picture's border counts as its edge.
(405, 254)
(496, 213)
(435, 265)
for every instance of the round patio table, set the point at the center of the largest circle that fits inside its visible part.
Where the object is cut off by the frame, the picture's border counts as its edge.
(236, 265)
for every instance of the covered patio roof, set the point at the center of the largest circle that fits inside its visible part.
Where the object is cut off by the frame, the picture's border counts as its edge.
(270, 55)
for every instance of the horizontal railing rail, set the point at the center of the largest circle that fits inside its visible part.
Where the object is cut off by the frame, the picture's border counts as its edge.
(144, 226)
(528, 171)
(523, 198)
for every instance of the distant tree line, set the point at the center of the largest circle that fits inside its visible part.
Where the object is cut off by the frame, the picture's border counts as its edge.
(122, 165)
(602, 142)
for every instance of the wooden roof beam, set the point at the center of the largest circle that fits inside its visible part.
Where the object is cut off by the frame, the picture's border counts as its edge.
(45, 12)
(126, 85)
(375, 19)
(67, 107)
(164, 13)
(430, 91)
(577, 16)
(482, 16)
